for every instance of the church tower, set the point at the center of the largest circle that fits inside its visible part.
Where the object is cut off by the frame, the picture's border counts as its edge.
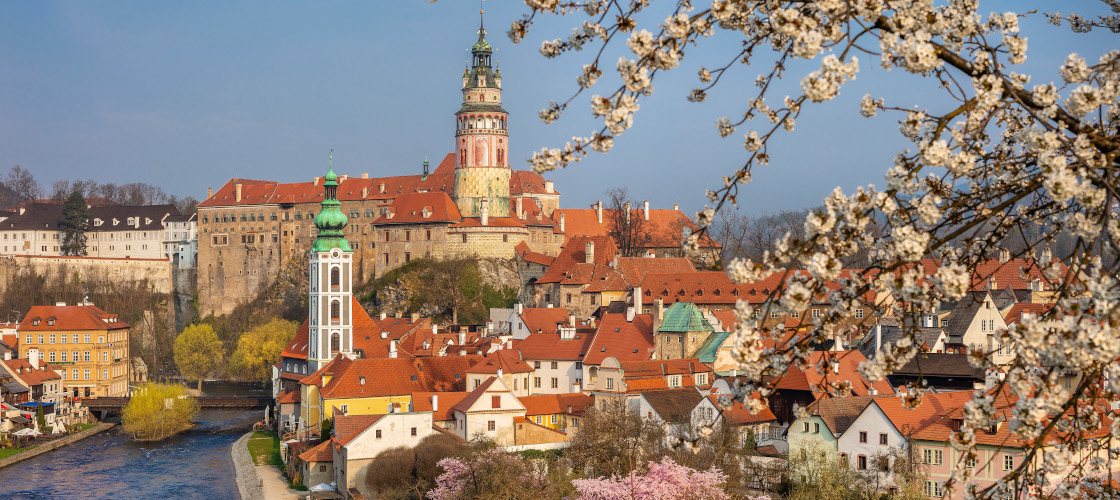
(330, 318)
(482, 139)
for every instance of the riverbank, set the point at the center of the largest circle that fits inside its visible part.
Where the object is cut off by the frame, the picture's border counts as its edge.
(245, 472)
(54, 445)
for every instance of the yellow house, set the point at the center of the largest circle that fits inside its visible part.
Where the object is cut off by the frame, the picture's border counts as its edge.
(87, 346)
(555, 411)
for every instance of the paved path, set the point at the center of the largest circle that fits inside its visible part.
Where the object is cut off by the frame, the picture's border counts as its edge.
(274, 484)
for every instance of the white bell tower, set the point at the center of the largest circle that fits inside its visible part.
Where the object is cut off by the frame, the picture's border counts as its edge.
(330, 302)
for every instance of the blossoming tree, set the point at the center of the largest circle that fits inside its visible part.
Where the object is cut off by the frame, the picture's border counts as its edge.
(1006, 154)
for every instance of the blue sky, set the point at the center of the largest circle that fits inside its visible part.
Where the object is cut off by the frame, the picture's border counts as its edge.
(185, 95)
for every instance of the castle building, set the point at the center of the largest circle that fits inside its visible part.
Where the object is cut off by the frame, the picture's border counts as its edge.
(472, 204)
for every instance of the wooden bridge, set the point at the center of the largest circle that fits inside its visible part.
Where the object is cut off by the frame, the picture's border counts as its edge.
(211, 402)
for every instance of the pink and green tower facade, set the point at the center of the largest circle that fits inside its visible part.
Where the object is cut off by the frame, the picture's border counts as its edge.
(482, 172)
(330, 313)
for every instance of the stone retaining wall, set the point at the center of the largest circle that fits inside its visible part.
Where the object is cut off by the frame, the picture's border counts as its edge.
(39, 450)
(248, 482)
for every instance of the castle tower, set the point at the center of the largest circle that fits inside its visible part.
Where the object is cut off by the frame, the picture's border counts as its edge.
(482, 138)
(330, 318)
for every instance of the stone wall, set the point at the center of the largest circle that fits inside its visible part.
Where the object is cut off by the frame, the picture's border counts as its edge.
(156, 271)
(53, 445)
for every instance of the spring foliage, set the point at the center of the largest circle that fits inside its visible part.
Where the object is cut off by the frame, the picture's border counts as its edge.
(258, 349)
(157, 411)
(198, 351)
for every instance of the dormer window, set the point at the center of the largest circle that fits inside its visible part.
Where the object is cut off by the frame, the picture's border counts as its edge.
(36, 321)
(50, 321)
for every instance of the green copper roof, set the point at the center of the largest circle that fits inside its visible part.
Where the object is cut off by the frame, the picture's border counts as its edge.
(710, 348)
(684, 317)
(330, 221)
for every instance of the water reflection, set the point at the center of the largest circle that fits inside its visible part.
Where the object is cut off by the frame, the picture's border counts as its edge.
(195, 464)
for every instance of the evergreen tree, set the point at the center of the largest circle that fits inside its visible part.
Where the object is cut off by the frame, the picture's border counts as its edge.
(74, 224)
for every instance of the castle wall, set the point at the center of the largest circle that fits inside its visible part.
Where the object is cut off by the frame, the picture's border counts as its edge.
(156, 271)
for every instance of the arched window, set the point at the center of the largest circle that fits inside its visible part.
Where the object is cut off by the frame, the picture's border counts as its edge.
(334, 343)
(334, 277)
(336, 310)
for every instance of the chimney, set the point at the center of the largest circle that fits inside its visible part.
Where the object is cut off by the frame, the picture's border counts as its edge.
(835, 367)
(518, 307)
(599, 210)
(550, 306)
(499, 372)
(237, 193)
(60, 304)
(1004, 255)
(630, 314)
(734, 372)
(462, 338)
(485, 211)
(520, 212)
(589, 252)
(381, 187)
(549, 187)
(415, 317)
(435, 329)
(572, 319)
(676, 206)
(316, 180)
(365, 175)
(929, 321)
(392, 349)
(342, 178)
(1045, 255)
(561, 222)
(383, 315)
(33, 358)
(878, 337)
(209, 193)
(626, 208)
(365, 190)
(7, 355)
(645, 209)
(435, 403)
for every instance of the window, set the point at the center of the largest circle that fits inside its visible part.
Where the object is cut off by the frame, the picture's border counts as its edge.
(555, 383)
(536, 364)
(413, 432)
(861, 462)
(490, 426)
(537, 382)
(336, 310)
(335, 277)
(377, 434)
(64, 357)
(773, 314)
(464, 238)
(323, 468)
(75, 377)
(104, 374)
(86, 337)
(859, 313)
(1008, 462)
(844, 459)
(970, 463)
(428, 235)
(884, 464)
(29, 339)
(407, 235)
(86, 373)
(553, 365)
(52, 354)
(85, 356)
(933, 489)
(610, 383)
(883, 438)
(932, 457)
(495, 401)
(805, 427)
(863, 436)
(816, 428)
(569, 301)
(674, 381)
(40, 339)
(52, 336)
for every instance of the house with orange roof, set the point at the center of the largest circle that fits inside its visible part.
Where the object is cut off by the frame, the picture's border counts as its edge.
(661, 230)
(354, 450)
(618, 337)
(88, 347)
(827, 420)
(528, 320)
(507, 365)
(489, 411)
(732, 415)
(441, 405)
(557, 358)
(711, 289)
(802, 386)
(556, 411)
(635, 377)
(316, 464)
(573, 270)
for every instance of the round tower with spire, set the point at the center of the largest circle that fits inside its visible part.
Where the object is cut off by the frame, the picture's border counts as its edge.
(482, 139)
(330, 314)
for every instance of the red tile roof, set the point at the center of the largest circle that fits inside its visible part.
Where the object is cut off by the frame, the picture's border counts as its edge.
(636, 268)
(543, 319)
(553, 404)
(528, 182)
(1015, 314)
(700, 287)
(625, 341)
(549, 346)
(54, 318)
(507, 360)
(664, 226)
(606, 279)
(1012, 274)
(289, 397)
(297, 348)
(422, 401)
(415, 208)
(528, 255)
(846, 369)
(347, 427)
(641, 376)
(933, 407)
(465, 404)
(574, 252)
(397, 376)
(31, 376)
(332, 369)
(324, 452)
(738, 414)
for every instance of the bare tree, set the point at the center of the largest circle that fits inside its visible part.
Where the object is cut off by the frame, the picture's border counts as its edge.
(23, 185)
(630, 231)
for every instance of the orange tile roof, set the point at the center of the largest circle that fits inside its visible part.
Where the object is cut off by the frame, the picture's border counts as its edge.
(396, 377)
(606, 279)
(1011, 274)
(414, 208)
(574, 252)
(738, 414)
(664, 226)
(333, 367)
(347, 427)
(933, 407)
(625, 341)
(543, 319)
(1015, 314)
(528, 182)
(54, 318)
(422, 401)
(297, 348)
(549, 346)
(507, 360)
(726, 318)
(528, 255)
(847, 369)
(642, 376)
(465, 404)
(289, 397)
(32, 376)
(636, 268)
(555, 404)
(323, 452)
(700, 287)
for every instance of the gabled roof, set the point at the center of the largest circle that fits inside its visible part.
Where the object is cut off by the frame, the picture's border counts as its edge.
(940, 365)
(491, 385)
(1011, 274)
(709, 350)
(418, 208)
(69, 318)
(924, 337)
(674, 405)
(528, 255)
(965, 312)
(333, 367)
(846, 368)
(840, 413)
(297, 348)
(642, 376)
(549, 346)
(507, 360)
(574, 252)
(528, 182)
(634, 269)
(543, 319)
(621, 339)
(290, 397)
(933, 407)
(323, 452)
(348, 427)
(397, 376)
(700, 287)
(738, 414)
(1018, 310)
(684, 317)
(32, 376)
(446, 401)
(605, 279)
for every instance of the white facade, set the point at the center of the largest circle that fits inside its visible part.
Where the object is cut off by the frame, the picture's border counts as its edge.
(180, 240)
(872, 436)
(552, 376)
(390, 431)
(330, 314)
(490, 414)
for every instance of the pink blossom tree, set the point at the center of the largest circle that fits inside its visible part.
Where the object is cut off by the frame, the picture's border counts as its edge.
(666, 480)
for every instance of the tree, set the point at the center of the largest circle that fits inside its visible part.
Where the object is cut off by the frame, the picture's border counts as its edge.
(258, 349)
(612, 440)
(666, 480)
(489, 473)
(453, 284)
(156, 411)
(23, 185)
(74, 224)
(198, 350)
(631, 232)
(997, 154)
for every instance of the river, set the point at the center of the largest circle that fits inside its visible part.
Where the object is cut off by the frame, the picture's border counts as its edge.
(194, 464)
